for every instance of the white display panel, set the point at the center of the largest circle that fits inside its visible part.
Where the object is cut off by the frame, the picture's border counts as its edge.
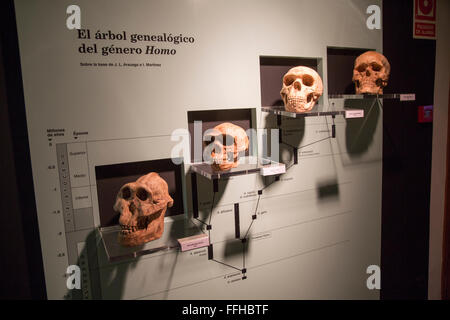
(304, 244)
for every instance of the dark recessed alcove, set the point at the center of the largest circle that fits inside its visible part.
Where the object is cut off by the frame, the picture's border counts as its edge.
(340, 63)
(272, 70)
(110, 178)
(244, 118)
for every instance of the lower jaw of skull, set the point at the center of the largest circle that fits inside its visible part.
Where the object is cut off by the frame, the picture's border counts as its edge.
(225, 163)
(135, 236)
(299, 104)
(369, 87)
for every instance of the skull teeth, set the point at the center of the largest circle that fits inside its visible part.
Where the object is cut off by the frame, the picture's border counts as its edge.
(126, 229)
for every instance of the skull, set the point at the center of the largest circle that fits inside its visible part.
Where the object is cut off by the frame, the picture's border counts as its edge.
(228, 141)
(142, 206)
(371, 73)
(302, 87)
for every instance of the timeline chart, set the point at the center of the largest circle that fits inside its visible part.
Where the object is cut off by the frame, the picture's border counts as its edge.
(84, 266)
(65, 187)
(74, 180)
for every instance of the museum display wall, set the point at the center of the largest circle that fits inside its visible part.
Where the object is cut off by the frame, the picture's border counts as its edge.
(305, 224)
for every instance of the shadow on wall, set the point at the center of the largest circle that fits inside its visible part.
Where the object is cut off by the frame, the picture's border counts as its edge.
(235, 247)
(206, 196)
(359, 133)
(328, 189)
(93, 286)
(292, 131)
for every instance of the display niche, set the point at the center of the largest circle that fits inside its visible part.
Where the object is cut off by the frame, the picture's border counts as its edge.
(347, 67)
(141, 208)
(357, 83)
(358, 78)
(292, 88)
(225, 132)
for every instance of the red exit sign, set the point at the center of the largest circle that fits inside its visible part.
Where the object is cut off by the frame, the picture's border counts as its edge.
(424, 19)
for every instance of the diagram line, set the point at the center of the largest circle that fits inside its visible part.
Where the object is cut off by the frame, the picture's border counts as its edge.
(306, 145)
(246, 234)
(256, 211)
(254, 267)
(225, 264)
(288, 144)
(248, 230)
(201, 221)
(243, 254)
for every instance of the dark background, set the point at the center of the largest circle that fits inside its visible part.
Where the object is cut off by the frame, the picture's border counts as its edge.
(212, 118)
(21, 269)
(406, 157)
(406, 166)
(272, 70)
(110, 178)
(340, 64)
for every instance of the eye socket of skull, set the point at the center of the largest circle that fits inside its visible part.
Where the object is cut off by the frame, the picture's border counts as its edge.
(142, 194)
(224, 139)
(126, 193)
(288, 80)
(308, 80)
(376, 67)
(227, 140)
(362, 67)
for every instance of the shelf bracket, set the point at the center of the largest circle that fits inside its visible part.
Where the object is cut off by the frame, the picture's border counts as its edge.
(237, 224)
(333, 127)
(210, 252)
(194, 194)
(295, 150)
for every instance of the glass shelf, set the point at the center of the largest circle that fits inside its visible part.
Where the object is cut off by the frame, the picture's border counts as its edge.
(247, 165)
(348, 113)
(173, 230)
(401, 96)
